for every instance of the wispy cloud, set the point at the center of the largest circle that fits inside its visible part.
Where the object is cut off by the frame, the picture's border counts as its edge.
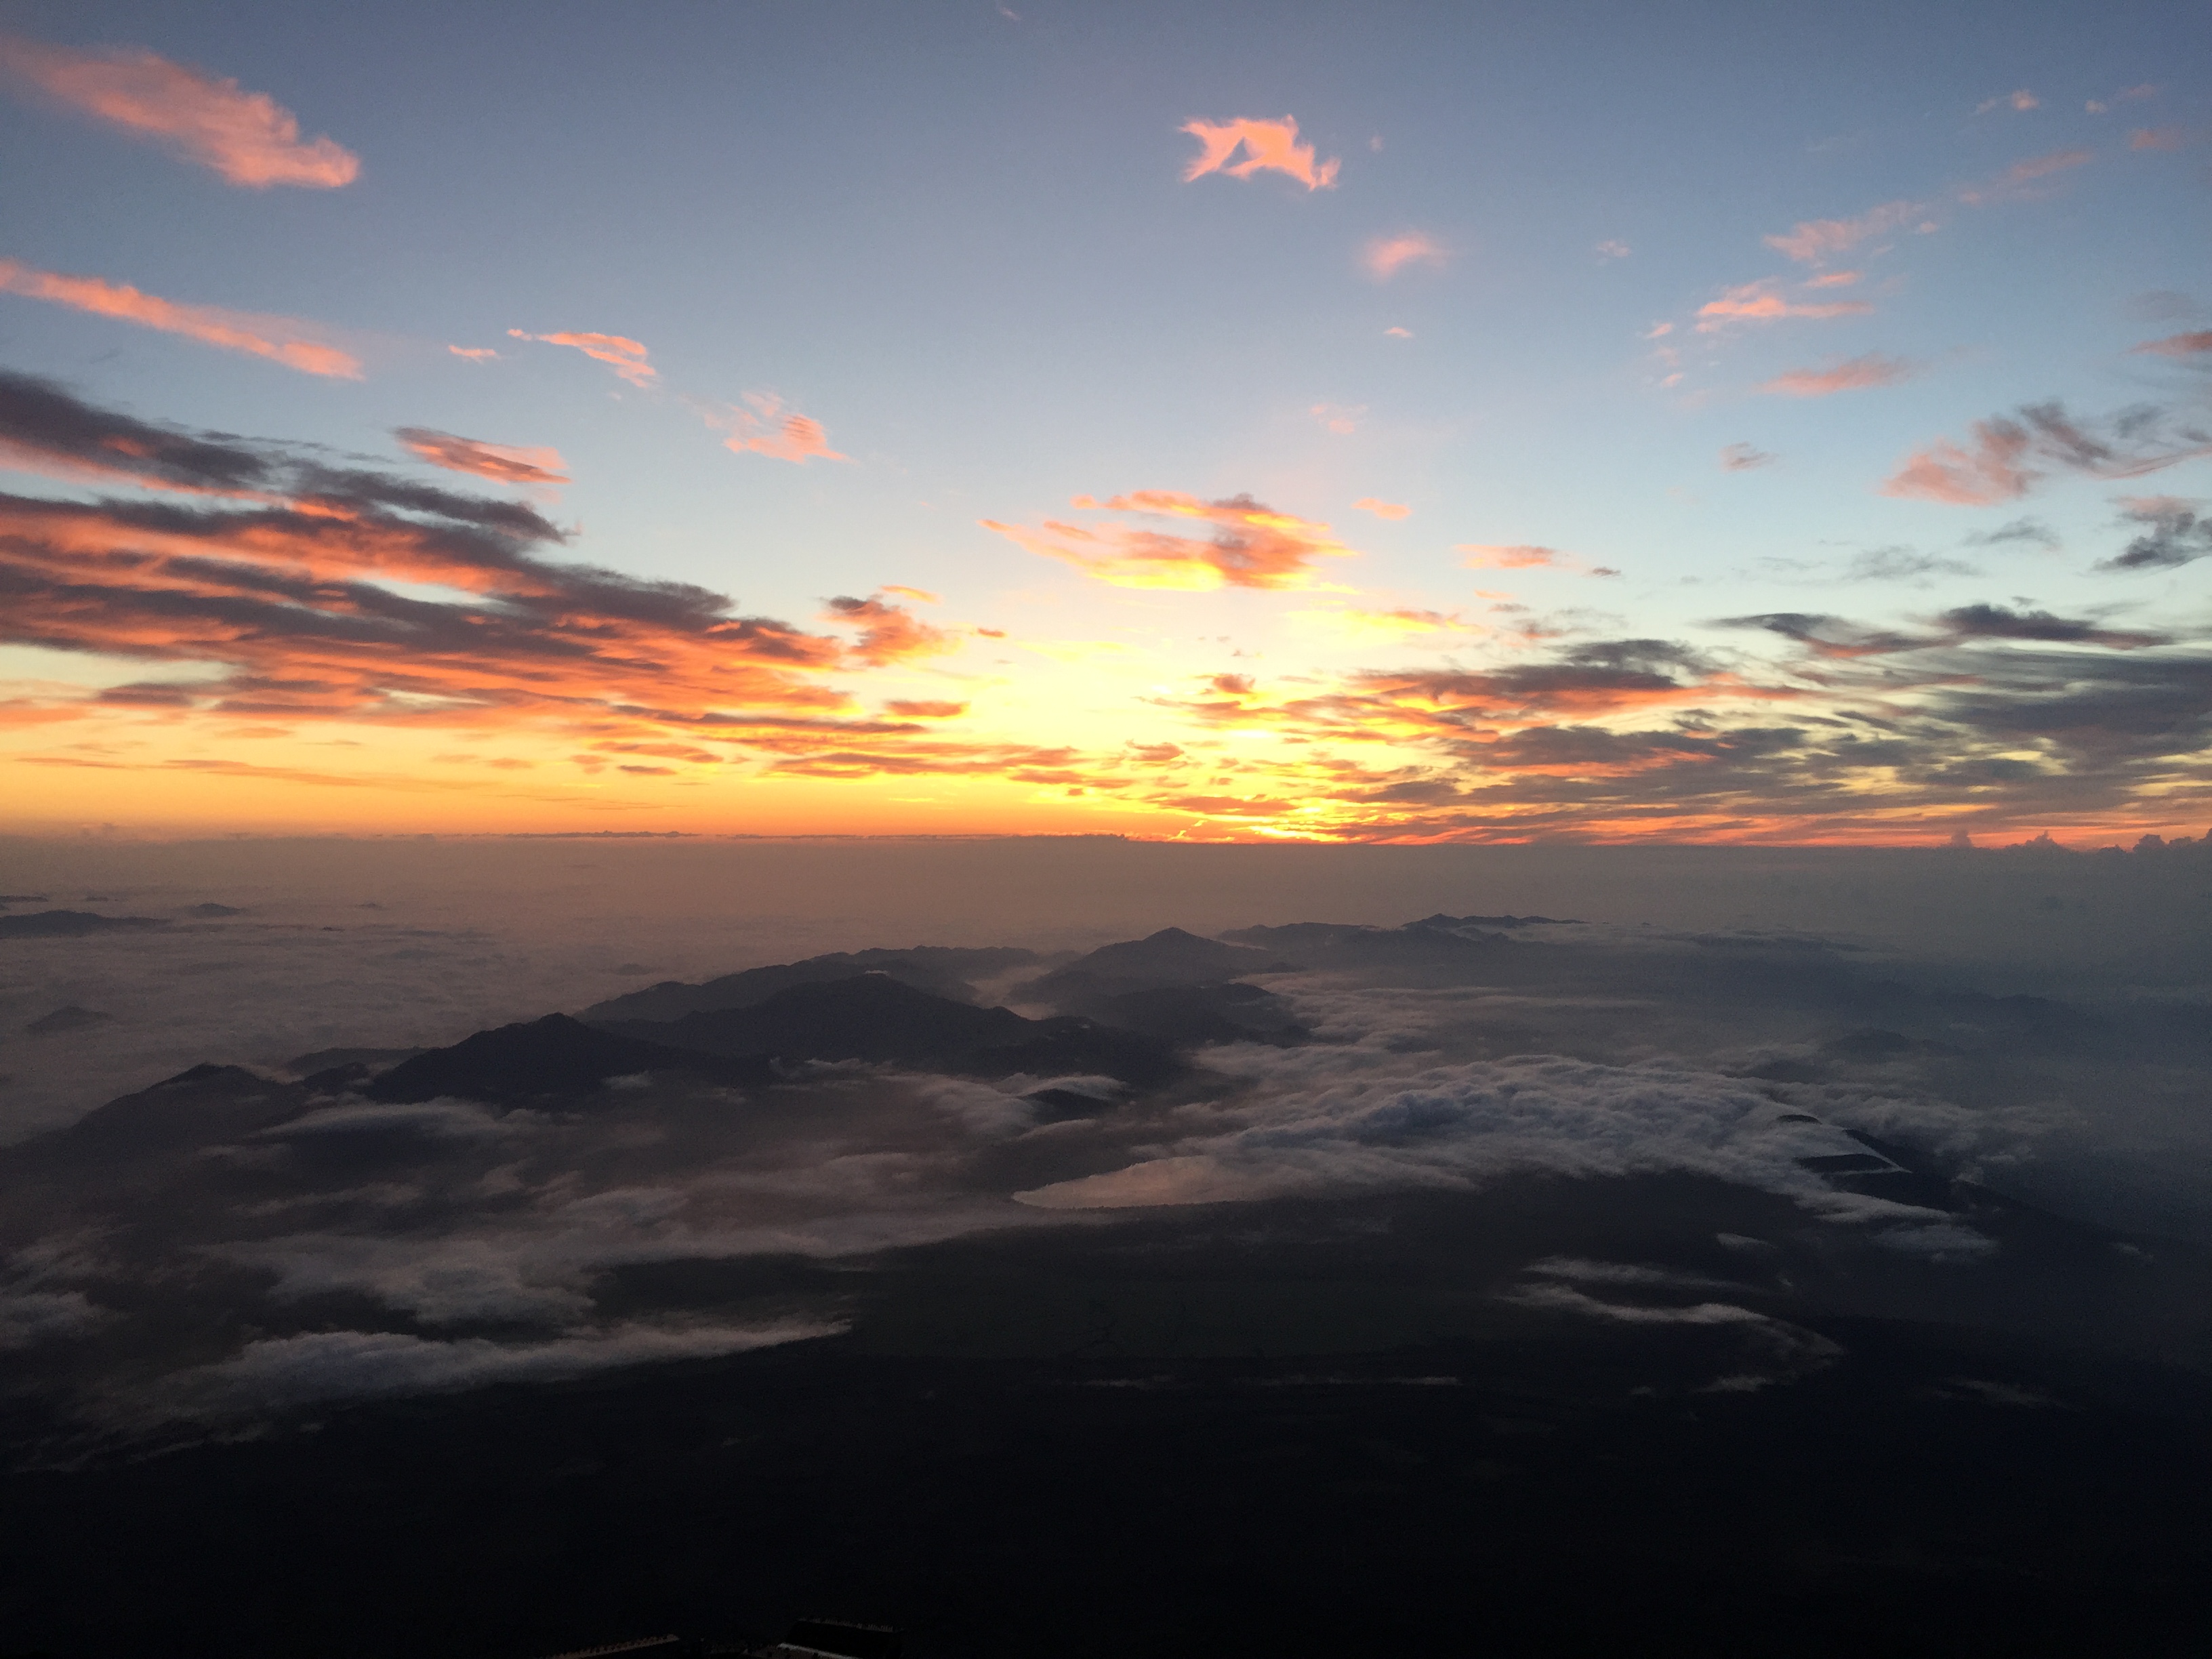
(2158, 138)
(1815, 241)
(2006, 456)
(627, 357)
(1253, 546)
(2019, 180)
(2021, 101)
(247, 137)
(1743, 457)
(1483, 555)
(1762, 302)
(501, 463)
(474, 353)
(1850, 375)
(1271, 146)
(2173, 535)
(1610, 250)
(1386, 256)
(1382, 509)
(2195, 343)
(281, 339)
(762, 427)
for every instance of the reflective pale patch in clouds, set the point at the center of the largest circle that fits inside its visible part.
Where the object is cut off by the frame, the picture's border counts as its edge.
(247, 137)
(627, 357)
(281, 339)
(1271, 146)
(1253, 546)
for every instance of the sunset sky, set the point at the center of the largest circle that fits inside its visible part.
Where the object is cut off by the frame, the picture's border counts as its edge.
(1708, 423)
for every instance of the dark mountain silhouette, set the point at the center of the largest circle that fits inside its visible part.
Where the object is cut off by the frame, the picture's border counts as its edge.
(874, 1016)
(555, 1055)
(942, 970)
(370, 1061)
(69, 924)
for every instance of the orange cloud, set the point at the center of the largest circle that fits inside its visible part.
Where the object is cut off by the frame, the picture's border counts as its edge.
(1386, 256)
(2179, 345)
(921, 593)
(1851, 374)
(625, 356)
(1272, 146)
(908, 708)
(474, 353)
(1759, 302)
(890, 633)
(1834, 279)
(1382, 509)
(247, 137)
(1815, 242)
(278, 338)
(1482, 555)
(764, 429)
(2014, 180)
(1253, 546)
(501, 463)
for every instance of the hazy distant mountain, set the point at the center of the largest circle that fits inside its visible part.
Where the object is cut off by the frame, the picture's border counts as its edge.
(943, 970)
(1160, 961)
(69, 924)
(68, 1019)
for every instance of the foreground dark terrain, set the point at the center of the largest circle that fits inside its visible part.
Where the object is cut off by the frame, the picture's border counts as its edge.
(1487, 1284)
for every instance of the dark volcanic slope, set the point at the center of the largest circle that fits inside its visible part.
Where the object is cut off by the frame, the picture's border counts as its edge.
(555, 1055)
(940, 970)
(874, 1016)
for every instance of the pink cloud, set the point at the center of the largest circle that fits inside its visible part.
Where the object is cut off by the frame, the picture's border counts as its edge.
(2022, 100)
(474, 353)
(1273, 146)
(1814, 241)
(501, 463)
(1252, 546)
(1382, 510)
(1850, 375)
(1612, 249)
(1834, 279)
(1988, 472)
(2180, 345)
(2015, 179)
(1386, 256)
(2157, 138)
(1399, 333)
(247, 137)
(763, 428)
(627, 357)
(281, 339)
(1338, 418)
(1485, 556)
(1760, 302)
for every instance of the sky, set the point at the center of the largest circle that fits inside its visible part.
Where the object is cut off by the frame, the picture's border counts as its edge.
(1682, 422)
